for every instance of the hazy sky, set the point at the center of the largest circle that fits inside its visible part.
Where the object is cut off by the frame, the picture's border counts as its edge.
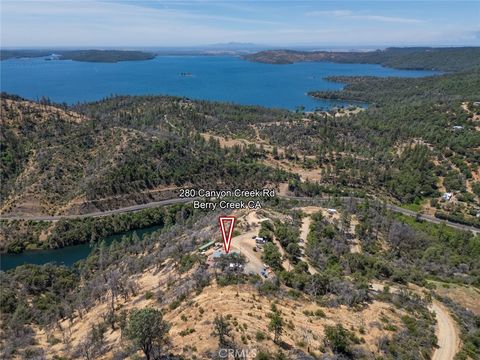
(129, 23)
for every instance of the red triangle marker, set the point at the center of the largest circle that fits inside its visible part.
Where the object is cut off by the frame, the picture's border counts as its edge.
(227, 234)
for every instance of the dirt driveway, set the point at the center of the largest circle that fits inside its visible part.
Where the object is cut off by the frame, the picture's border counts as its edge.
(446, 330)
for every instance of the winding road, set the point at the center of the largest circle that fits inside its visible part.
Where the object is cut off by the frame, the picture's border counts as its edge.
(432, 219)
(447, 332)
(394, 208)
(448, 338)
(155, 204)
(127, 209)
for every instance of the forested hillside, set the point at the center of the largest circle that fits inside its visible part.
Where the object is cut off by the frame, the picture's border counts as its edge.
(336, 278)
(418, 139)
(117, 152)
(317, 298)
(104, 56)
(462, 86)
(430, 127)
(444, 59)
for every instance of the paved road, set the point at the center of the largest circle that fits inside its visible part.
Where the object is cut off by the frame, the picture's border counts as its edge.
(447, 334)
(127, 209)
(154, 204)
(393, 208)
(432, 219)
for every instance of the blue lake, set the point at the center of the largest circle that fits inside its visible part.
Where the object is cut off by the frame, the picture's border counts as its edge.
(222, 78)
(68, 255)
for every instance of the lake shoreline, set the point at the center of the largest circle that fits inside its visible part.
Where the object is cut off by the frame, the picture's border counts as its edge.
(229, 79)
(68, 255)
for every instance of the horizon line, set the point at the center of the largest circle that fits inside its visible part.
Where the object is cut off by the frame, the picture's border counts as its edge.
(272, 47)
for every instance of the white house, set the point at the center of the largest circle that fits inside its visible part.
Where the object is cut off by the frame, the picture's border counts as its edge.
(447, 196)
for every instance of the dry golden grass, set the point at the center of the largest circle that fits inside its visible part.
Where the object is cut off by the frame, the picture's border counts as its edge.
(191, 322)
(467, 296)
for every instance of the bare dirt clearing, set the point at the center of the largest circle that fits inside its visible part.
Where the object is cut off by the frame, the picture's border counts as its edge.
(305, 174)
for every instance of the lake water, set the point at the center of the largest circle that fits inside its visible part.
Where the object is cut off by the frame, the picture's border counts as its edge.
(67, 255)
(222, 78)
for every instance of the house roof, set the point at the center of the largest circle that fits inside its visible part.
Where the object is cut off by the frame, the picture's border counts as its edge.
(207, 245)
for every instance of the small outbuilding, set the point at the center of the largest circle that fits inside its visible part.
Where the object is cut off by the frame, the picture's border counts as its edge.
(206, 246)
